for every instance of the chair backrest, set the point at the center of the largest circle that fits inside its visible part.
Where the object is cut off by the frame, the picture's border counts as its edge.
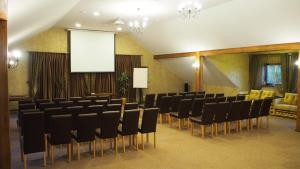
(200, 96)
(86, 126)
(84, 103)
(191, 93)
(49, 112)
(221, 112)
(101, 102)
(255, 108)
(114, 107)
(208, 113)
(60, 128)
(74, 111)
(201, 92)
(210, 100)
(20, 115)
(107, 98)
(29, 100)
(175, 102)
(231, 98)
(235, 111)
(115, 101)
(131, 106)
(38, 101)
(158, 98)
(245, 109)
(57, 100)
(197, 107)
(92, 98)
(75, 99)
(93, 109)
(265, 107)
(27, 106)
(185, 107)
(33, 132)
(149, 100)
(44, 106)
(209, 95)
(220, 99)
(149, 120)
(130, 122)
(109, 124)
(240, 97)
(165, 104)
(189, 96)
(172, 94)
(219, 95)
(65, 104)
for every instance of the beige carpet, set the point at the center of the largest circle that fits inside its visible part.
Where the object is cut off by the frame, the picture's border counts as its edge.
(276, 147)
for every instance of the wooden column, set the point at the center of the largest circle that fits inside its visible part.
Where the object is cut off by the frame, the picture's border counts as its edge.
(4, 114)
(298, 91)
(199, 73)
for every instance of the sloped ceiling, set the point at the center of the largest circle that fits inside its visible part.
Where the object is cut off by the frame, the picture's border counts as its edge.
(221, 24)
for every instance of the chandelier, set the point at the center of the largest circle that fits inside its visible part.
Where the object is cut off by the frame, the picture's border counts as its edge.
(189, 10)
(139, 24)
(13, 59)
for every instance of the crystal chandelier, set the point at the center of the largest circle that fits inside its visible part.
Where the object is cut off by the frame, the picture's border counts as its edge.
(139, 24)
(189, 10)
(13, 59)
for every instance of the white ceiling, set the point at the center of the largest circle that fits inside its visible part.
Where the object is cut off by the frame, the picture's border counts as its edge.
(221, 24)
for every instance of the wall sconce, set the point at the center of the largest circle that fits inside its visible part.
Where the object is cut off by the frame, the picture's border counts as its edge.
(297, 63)
(196, 65)
(13, 59)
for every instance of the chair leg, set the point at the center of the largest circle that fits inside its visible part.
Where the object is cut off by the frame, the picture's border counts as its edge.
(179, 124)
(160, 118)
(154, 136)
(25, 161)
(247, 124)
(250, 124)
(212, 130)
(78, 151)
(169, 119)
(136, 142)
(202, 130)
(225, 128)
(94, 149)
(116, 145)
(257, 123)
(237, 126)
(90, 147)
(142, 139)
(69, 152)
(192, 128)
(267, 121)
(229, 127)
(147, 138)
(123, 143)
(46, 150)
(240, 124)
(52, 153)
(216, 128)
(101, 147)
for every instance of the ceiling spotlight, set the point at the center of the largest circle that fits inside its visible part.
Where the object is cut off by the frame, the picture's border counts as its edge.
(119, 28)
(78, 25)
(96, 13)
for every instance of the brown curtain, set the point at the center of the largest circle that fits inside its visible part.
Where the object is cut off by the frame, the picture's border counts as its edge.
(289, 72)
(51, 77)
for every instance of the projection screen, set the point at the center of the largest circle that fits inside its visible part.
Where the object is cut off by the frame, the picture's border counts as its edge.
(92, 51)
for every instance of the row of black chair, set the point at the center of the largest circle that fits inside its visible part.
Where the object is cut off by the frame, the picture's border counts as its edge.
(88, 126)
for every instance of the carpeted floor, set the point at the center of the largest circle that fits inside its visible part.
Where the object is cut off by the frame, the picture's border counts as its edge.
(277, 147)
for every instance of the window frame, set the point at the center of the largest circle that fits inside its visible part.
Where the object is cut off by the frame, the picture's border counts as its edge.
(266, 74)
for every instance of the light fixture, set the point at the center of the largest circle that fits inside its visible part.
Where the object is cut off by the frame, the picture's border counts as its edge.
(139, 24)
(196, 65)
(119, 28)
(13, 58)
(119, 23)
(78, 25)
(297, 63)
(96, 13)
(190, 9)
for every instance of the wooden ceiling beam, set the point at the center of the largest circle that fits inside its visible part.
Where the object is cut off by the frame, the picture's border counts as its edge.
(250, 49)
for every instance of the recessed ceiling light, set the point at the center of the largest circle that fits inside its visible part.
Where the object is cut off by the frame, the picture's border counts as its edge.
(96, 13)
(78, 25)
(119, 28)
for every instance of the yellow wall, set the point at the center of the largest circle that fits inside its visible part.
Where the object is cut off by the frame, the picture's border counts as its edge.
(55, 40)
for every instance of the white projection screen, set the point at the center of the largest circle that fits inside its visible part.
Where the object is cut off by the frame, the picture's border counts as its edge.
(92, 51)
(140, 78)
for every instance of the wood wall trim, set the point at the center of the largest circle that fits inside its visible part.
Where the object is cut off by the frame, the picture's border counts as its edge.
(250, 49)
(3, 9)
(4, 114)
(298, 91)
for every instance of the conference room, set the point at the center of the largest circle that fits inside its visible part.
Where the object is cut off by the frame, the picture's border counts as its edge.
(149, 84)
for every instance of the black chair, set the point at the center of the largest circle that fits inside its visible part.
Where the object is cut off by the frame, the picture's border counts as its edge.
(65, 104)
(197, 107)
(221, 112)
(85, 131)
(201, 96)
(84, 103)
(27, 106)
(192, 93)
(24, 101)
(148, 124)
(183, 93)
(231, 98)
(57, 100)
(189, 96)
(107, 98)
(245, 113)
(175, 102)
(50, 112)
(130, 122)
(75, 99)
(234, 115)
(43, 106)
(158, 98)
(101, 102)
(164, 107)
(240, 97)
(92, 98)
(74, 111)
(149, 101)
(109, 128)
(207, 118)
(183, 112)
(219, 95)
(131, 106)
(220, 99)
(265, 110)
(254, 112)
(98, 109)
(115, 101)
(20, 115)
(60, 133)
(39, 101)
(172, 94)
(210, 100)
(33, 140)
(201, 92)
(114, 107)
(209, 95)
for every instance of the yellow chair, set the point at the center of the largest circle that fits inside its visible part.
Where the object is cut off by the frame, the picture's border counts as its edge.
(267, 93)
(254, 94)
(287, 106)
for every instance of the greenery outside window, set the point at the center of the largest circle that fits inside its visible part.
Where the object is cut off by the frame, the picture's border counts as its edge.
(273, 74)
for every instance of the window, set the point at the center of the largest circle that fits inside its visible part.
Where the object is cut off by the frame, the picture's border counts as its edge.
(273, 74)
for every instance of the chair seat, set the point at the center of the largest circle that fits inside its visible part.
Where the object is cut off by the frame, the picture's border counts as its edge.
(174, 114)
(141, 106)
(196, 119)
